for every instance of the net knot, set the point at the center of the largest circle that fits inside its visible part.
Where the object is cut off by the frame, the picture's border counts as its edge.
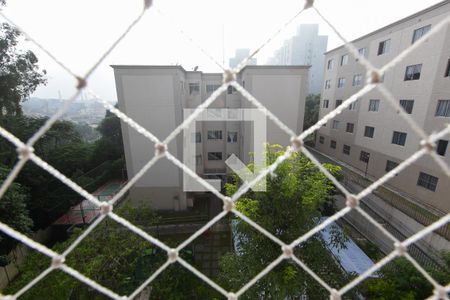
(287, 251)
(172, 255)
(428, 145)
(296, 143)
(374, 77)
(228, 204)
(105, 208)
(334, 295)
(231, 296)
(24, 152)
(352, 201)
(57, 261)
(160, 149)
(81, 82)
(400, 248)
(229, 76)
(308, 4)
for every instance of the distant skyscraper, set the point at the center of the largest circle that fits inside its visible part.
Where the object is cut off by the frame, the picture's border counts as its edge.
(240, 55)
(307, 47)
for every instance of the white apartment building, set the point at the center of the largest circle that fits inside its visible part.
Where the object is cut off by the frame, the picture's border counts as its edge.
(155, 96)
(307, 47)
(370, 135)
(239, 56)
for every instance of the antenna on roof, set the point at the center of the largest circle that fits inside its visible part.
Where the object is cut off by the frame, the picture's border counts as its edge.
(195, 68)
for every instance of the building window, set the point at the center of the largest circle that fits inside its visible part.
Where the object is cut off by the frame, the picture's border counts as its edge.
(413, 72)
(443, 108)
(418, 33)
(364, 156)
(214, 155)
(211, 88)
(390, 165)
(341, 82)
(407, 105)
(344, 59)
(338, 102)
(441, 147)
(232, 137)
(369, 131)
(214, 134)
(333, 144)
(350, 127)
(346, 149)
(194, 88)
(230, 90)
(357, 80)
(198, 160)
(427, 181)
(335, 124)
(362, 51)
(327, 84)
(353, 105)
(330, 64)
(197, 137)
(447, 71)
(321, 139)
(325, 103)
(374, 105)
(399, 138)
(384, 47)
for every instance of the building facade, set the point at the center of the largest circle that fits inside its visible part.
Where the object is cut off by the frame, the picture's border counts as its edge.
(156, 96)
(370, 135)
(307, 47)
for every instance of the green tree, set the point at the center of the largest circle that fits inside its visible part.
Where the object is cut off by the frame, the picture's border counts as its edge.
(110, 145)
(311, 110)
(19, 72)
(13, 211)
(294, 202)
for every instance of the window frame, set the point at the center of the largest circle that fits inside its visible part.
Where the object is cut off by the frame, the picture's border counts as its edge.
(447, 71)
(357, 80)
(390, 165)
(377, 105)
(363, 155)
(399, 138)
(415, 74)
(446, 109)
(423, 31)
(212, 133)
(335, 124)
(325, 103)
(341, 82)
(337, 103)
(404, 103)
(353, 105)
(234, 138)
(346, 149)
(328, 84)
(427, 181)
(321, 139)
(350, 126)
(333, 144)
(194, 88)
(330, 64)
(344, 59)
(212, 154)
(366, 129)
(384, 47)
(441, 147)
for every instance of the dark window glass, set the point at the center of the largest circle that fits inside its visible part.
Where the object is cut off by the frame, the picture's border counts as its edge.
(321, 139)
(364, 156)
(413, 72)
(350, 127)
(384, 47)
(407, 105)
(441, 147)
(418, 33)
(447, 71)
(427, 181)
(214, 155)
(346, 149)
(369, 131)
(333, 144)
(338, 102)
(214, 134)
(443, 108)
(390, 165)
(399, 138)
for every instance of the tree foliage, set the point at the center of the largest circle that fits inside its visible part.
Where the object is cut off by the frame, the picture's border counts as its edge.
(311, 110)
(19, 72)
(296, 198)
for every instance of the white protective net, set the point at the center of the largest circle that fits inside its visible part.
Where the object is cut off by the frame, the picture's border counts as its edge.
(25, 153)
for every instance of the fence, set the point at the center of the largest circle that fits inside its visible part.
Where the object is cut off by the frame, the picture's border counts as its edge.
(25, 153)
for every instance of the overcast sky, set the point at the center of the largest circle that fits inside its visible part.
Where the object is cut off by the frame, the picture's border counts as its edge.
(78, 32)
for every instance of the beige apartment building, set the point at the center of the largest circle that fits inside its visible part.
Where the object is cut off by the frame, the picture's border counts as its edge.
(156, 96)
(370, 135)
